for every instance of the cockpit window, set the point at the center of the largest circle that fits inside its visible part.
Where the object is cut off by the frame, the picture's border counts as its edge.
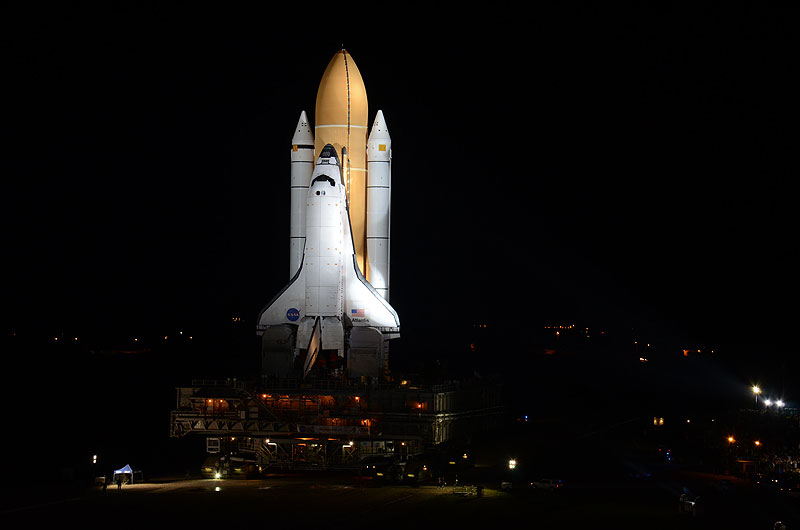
(324, 177)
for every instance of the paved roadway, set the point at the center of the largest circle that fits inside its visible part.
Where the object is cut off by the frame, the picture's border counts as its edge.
(313, 502)
(320, 501)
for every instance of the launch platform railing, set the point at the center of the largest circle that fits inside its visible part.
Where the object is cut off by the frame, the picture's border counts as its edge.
(274, 385)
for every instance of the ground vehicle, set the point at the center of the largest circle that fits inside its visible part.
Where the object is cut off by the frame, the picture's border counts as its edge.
(550, 484)
(241, 467)
(210, 467)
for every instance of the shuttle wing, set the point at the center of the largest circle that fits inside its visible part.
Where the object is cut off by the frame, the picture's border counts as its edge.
(364, 306)
(288, 306)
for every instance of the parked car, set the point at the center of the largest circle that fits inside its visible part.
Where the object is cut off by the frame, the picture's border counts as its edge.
(211, 467)
(549, 484)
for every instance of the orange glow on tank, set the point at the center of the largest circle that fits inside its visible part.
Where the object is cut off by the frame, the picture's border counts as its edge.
(341, 114)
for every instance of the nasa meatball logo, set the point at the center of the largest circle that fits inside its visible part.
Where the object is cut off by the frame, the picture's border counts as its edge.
(293, 314)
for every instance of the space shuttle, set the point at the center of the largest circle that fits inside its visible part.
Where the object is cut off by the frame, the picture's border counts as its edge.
(333, 318)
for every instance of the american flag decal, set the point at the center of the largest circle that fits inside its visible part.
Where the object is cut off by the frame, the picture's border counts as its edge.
(357, 313)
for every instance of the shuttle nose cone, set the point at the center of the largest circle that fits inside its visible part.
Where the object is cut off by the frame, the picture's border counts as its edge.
(329, 152)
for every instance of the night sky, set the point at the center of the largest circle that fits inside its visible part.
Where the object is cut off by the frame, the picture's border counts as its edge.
(625, 169)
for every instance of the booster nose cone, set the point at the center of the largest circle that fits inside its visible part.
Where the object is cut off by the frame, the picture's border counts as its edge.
(302, 134)
(379, 130)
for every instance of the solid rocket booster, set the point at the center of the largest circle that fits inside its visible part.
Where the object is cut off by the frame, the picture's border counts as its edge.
(379, 200)
(301, 168)
(341, 120)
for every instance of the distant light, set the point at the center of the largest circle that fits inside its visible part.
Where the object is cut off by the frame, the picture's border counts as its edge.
(464, 456)
(94, 459)
(779, 403)
(217, 488)
(512, 464)
(768, 402)
(217, 475)
(756, 389)
(757, 442)
(731, 439)
(688, 421)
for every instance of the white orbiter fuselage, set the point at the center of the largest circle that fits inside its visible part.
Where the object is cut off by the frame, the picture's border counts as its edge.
(328, 312)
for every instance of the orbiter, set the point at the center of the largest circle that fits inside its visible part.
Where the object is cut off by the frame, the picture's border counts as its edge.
(331, 319)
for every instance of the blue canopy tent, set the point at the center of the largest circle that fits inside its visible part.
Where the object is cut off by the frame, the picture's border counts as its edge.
(123, 471)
